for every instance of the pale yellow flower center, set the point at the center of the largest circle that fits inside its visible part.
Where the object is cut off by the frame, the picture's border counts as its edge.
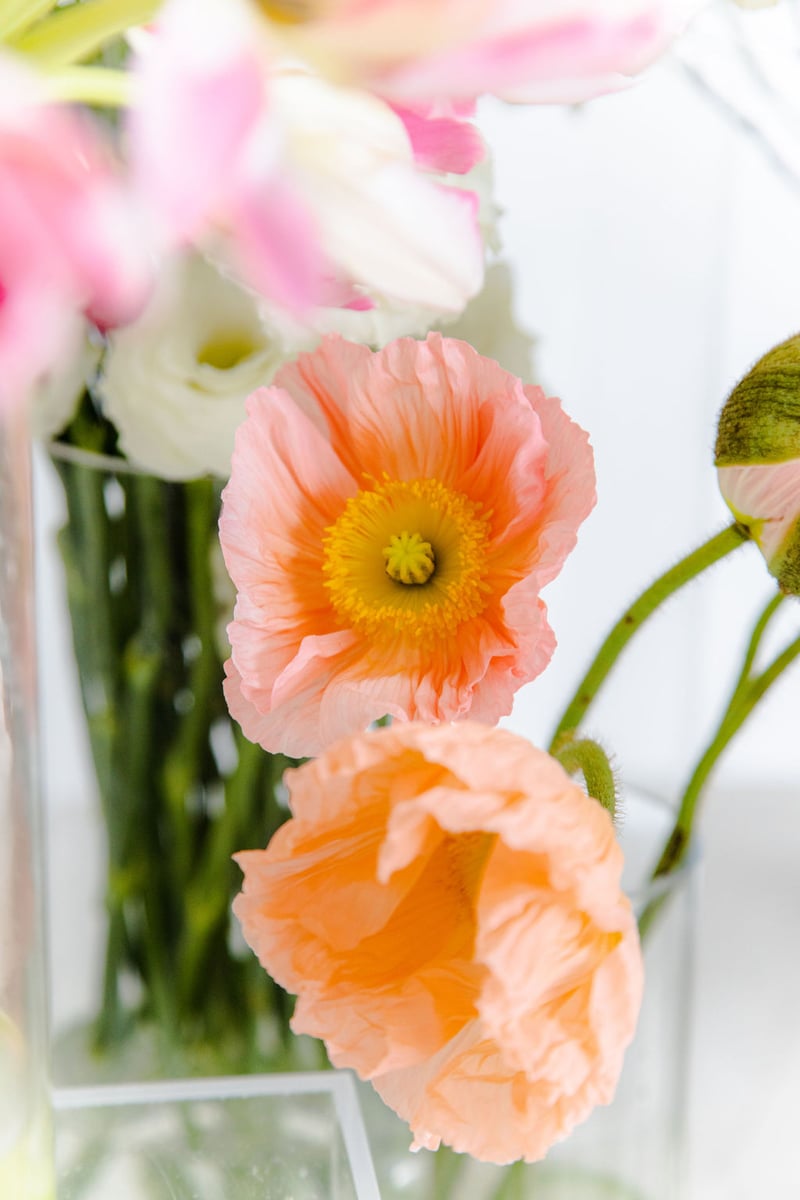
(383, 579)
(409, 559)
(226, 350)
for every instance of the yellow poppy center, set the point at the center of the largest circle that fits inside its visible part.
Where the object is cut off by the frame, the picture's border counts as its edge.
(407, 557)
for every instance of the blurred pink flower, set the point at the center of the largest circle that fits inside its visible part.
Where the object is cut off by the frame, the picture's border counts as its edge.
(390, 521)
(70, 240)
(446, 904)
(525, 50)
(442, 139)
(297, 183)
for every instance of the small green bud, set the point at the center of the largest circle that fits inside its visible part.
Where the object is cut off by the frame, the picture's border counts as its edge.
(760, 422)
(758, 459)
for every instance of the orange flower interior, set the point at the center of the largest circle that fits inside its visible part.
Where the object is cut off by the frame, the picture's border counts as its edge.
(430, 935)
(408, 557)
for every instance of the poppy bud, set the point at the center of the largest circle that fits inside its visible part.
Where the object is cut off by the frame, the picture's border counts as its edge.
(758, 459)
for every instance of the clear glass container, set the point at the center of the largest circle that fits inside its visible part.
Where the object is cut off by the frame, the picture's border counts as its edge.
(26, 1162)
(267, 1137)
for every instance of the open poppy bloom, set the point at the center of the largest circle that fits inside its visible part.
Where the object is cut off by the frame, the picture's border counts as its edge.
(446, 904)
(390, 520)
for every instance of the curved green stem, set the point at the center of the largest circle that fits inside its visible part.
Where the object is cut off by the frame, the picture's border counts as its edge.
(589, 757)
(747, 692)
(73, 34)
(100, 87)
(18, 15)
(755, 638)
(636, 615)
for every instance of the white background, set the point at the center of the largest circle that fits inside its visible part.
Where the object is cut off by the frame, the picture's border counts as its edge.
(656, 248)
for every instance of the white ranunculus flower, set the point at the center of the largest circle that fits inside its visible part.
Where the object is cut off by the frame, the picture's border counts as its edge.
(175, 381)
(57, 393)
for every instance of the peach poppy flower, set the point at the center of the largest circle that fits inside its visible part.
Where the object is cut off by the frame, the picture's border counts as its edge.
(446, 904)
(390, 520)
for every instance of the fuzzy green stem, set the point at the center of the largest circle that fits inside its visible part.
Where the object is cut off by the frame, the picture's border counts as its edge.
(516, 1183)
(589, 757)
(636, 615)
(747, 692)
(448, 1166)
(745, 695)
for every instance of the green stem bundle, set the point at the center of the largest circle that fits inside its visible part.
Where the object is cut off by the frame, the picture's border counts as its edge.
(181, 789)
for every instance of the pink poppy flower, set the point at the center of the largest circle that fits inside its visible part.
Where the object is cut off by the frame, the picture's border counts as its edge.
(70, 242)
(418, 50)
(389, 523)
(293, 181)
(446, 904)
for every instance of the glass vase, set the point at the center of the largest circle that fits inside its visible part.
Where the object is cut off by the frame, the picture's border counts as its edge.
(634, 1148)
(178, 786)
(180, 790)
(26, 1161)
(267, 1137)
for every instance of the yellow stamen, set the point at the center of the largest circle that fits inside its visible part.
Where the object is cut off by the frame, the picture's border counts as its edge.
(408, 559)
(369, 547)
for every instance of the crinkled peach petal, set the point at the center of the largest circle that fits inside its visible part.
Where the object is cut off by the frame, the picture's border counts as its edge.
(340, 425)
(260, 653)
(455, 417)
(314, 715)
(469, 1098)
(446, 902)
(477, 676)
(321, 384)
(269, 526)
(571, 493)
(523, 654)
(299, 875)
(469, 752)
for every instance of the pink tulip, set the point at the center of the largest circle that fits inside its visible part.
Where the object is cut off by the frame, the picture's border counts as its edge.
(525, 50)
(70, 243)
(442, 140)
(299, 185)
